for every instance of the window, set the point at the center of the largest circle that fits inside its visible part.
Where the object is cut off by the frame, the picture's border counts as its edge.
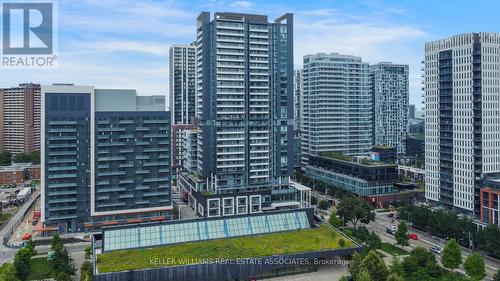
(228, 204)
(241, 205)
(255, 203)
(213, 207)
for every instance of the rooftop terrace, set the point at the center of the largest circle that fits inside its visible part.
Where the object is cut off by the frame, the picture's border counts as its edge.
(363, 161)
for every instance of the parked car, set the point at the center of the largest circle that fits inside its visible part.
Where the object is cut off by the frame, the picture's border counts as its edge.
(436, 250)
(413, 236)
(391, 229)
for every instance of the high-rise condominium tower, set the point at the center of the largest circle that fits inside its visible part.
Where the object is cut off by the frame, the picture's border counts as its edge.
(244, 113)
(182, 72)
(20, 118)
(105, 158)
(462, 117)
(390, 93)
(336, 105)
(182, 84)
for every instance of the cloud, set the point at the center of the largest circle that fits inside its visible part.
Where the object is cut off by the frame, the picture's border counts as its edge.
(374, 36)
(111, 46)
(127, 17)
(319, 12)
(124, 43)
(363, 39)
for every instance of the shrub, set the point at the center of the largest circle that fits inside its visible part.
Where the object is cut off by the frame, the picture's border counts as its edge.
(341, 242)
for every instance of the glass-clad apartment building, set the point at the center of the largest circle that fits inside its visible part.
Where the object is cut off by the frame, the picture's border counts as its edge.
(462, 120)
(390, 96)
(105, 158)
(336, 106)
(244, 113)
(66, 158)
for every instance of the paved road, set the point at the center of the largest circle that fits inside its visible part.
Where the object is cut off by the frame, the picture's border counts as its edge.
(185, 212)
(426, 241)
(8, 253)
(325, 273)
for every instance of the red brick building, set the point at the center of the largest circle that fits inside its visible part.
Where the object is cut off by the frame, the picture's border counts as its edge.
(489, 198)
(18, 173)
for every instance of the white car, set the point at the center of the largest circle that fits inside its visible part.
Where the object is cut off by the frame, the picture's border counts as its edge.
(437, 250)
(391, 229)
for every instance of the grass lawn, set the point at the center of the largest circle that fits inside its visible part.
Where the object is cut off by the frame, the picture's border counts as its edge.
(304, 240)
(393, 250)
(40, 269)
(6, 217)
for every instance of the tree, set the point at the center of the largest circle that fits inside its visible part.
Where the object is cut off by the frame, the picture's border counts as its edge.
(394, 277)
(56, 242)
(5, 158)
(396, 267)
(474, 266)
(31, 248)
(375, 266)
(22, 262)
(63, 276)
(62, 261)
(364, 276)
(355, 209)
(452, 256)
(86, 273)
(488, 239)
(374, 242)
(401, 235)
(423, 260)
(88, 252)
(334, 220)
(35, 157)
(21, 158)
(8, 272)
(354, 267)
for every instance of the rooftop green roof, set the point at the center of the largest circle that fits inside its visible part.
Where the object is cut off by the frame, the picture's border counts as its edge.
(297, 241)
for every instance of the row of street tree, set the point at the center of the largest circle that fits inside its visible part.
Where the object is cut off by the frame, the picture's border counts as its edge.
(448, 225)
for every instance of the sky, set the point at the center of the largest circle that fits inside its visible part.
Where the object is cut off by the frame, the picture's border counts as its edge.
(125, 43)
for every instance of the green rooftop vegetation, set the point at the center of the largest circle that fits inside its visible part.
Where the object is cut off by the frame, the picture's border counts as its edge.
(297, 241)
(382, 146)
(335, 155)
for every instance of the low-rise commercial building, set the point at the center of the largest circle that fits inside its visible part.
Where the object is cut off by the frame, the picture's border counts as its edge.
(268, 245)
(412, 173)
(490, 201)
(361, 176)
(18, 173)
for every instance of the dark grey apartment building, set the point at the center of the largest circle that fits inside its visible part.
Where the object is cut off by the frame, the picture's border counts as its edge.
(105, 158)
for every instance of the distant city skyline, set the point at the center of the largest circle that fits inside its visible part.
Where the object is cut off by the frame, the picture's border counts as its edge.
(128, 47)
